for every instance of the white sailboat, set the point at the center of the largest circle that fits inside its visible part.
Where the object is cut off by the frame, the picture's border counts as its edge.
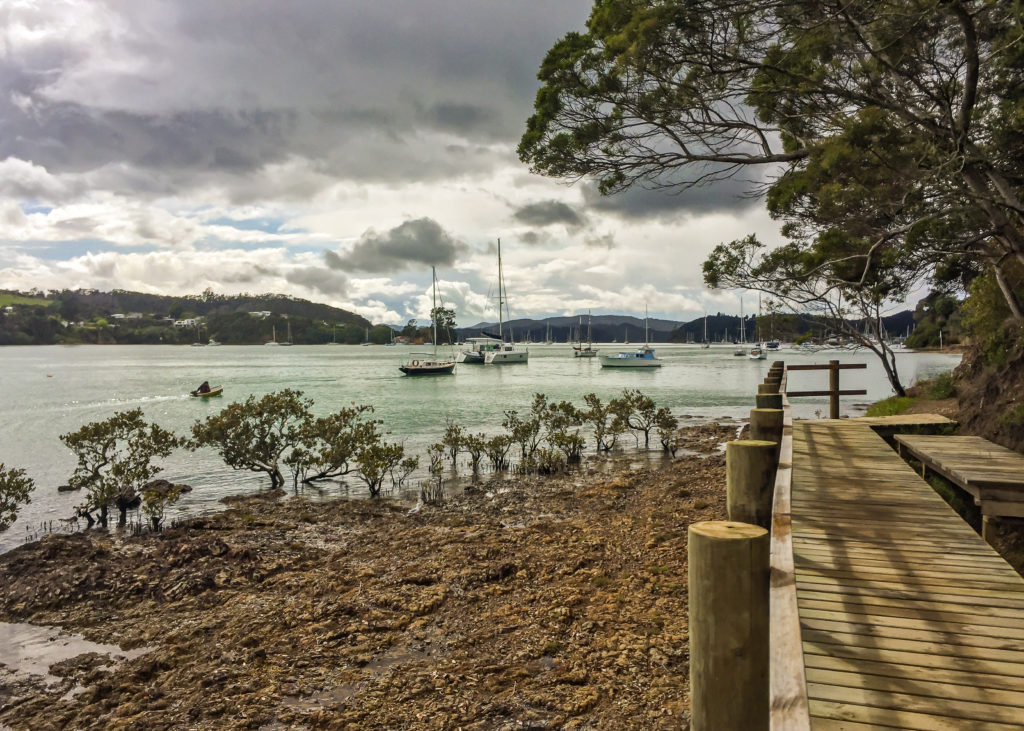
(641, 358)
(429, 364)
(706, 343)
(588, 350)
(506, 352)
(289, 340)
(273, 336)
(741, 349)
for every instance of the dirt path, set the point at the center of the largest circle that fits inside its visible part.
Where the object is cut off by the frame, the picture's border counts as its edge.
(524, 603)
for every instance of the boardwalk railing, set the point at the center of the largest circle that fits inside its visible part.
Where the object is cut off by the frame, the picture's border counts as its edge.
(787, 693)
(833, 367)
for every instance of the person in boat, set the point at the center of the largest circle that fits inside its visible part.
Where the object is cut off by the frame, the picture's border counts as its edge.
(205, 388)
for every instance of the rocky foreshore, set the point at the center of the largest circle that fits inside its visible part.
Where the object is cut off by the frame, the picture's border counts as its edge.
(521, 603)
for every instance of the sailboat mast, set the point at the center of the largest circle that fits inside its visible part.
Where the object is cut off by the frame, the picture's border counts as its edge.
(433, 309)
(645, 325)
(501, 293)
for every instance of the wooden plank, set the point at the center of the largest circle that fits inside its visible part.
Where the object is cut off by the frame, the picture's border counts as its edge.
(924, 579)
(917, 659)
(895, 718)
(925, 675)
(917, 613)
(787, 684)
(908, 618)
(895, 598)
(921, 647)
(920, 632)
(958, 709)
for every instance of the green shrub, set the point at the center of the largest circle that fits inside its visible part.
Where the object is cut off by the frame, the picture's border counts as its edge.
(890, 406)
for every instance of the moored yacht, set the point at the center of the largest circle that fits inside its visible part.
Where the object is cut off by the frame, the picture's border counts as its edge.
(506, 352)
(642, 357)
(477, 349)
(429, 364)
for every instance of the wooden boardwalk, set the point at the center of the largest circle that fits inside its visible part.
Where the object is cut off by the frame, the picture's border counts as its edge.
(908, 619)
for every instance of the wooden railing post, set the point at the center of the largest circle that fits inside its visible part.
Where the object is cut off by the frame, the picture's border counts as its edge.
(749, 480)
(833, 392)
(728, 596)
(833, 389)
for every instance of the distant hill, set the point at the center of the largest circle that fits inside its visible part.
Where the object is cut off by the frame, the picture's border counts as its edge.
(122, 301)
(620, 328)
(122, 317)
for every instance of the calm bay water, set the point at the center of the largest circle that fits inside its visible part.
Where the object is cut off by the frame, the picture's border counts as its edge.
(50, 390)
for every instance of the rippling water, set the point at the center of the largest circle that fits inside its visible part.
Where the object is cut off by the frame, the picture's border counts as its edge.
(50, 390)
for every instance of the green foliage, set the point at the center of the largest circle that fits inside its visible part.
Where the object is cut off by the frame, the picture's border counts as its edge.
(257, 434)
(444, 317)
(452, 440)
(376, 461)
(156, 499)
(666, 424)
(497, 448)
(526, 432)
(475, 445)
(1014, 417)
(939, 387)
(115, 459)
(9, 299)
(561, 424)
(890, 406)
(605, 420)
(327, 446)
(15, 489)
(638, 412)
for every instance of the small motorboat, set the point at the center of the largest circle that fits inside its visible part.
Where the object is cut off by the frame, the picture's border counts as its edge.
(214, 391)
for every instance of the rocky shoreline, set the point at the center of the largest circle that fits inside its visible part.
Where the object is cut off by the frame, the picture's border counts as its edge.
(522, 603)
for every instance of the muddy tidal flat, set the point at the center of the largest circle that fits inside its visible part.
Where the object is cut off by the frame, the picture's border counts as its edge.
(523, 603)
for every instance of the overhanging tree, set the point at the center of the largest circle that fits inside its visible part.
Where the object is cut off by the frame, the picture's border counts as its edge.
(686, 93)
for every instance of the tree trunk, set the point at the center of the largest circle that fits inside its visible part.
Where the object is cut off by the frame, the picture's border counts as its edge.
(156, 523)
(103, 516)
(1008, 294)
(122, 516)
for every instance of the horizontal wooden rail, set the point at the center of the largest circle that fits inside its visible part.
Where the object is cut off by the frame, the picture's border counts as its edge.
(789, 709)
(833, 367)
(827, 367)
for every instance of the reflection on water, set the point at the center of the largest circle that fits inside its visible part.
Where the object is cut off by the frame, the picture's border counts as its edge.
(51, 390)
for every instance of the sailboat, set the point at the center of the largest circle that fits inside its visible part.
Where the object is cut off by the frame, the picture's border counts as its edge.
(758, 352)
(547, 337)
(587, 351)
(289, 340)
(706, 343)
(273, 336)
(366, 338)
(640, 358)
(506, 352)
(741, 349)
(429, 364)
(334, 335)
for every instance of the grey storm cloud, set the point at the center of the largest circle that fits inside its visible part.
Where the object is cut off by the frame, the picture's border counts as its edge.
(418, 242)
(359, 90)
(726, 196)
(319, 279)
(547, 213)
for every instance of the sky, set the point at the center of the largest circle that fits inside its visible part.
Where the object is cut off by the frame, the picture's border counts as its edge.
(332, 151)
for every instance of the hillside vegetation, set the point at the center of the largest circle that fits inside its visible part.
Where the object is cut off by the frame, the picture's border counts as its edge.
(89, 316)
